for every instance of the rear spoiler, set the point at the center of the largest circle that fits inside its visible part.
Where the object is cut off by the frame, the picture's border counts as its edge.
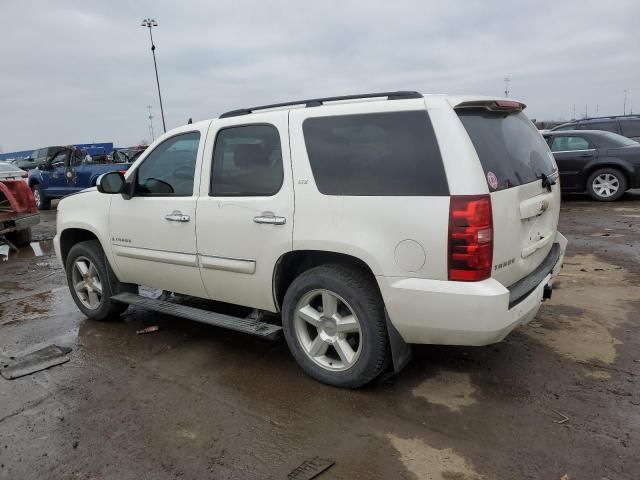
(493, 105)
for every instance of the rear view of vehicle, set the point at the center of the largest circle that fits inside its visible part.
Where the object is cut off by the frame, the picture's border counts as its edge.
(503, 245)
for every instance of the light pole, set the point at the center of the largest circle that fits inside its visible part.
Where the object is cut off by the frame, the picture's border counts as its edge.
(624, 106)
(150, 23)
(506, 86)
(151, 124)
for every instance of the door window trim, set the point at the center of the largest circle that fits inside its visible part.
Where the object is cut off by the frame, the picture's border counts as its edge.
(574, 151)
(134, 175)
(213, 153)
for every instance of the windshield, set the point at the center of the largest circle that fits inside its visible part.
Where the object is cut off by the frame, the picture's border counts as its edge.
(511, 150)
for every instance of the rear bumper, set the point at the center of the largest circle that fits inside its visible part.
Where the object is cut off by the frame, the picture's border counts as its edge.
(465, 313)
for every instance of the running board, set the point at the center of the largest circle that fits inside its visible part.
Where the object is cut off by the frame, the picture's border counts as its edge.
(239, 324)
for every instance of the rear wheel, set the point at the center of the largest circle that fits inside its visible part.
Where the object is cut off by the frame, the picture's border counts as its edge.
(334, 324)
(92, 282)
(42, 201)
(20, 238)
(606, 184)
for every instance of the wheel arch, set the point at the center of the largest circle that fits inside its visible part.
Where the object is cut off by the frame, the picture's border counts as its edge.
(293, 263)
(71, 236)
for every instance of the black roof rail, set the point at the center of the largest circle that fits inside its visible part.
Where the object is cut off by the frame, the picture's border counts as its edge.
(316, 102)
(609, 117)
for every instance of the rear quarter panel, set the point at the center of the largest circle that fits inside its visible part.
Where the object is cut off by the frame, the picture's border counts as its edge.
(394, 235)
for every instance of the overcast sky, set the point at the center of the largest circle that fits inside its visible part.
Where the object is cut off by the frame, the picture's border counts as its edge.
(82, 71)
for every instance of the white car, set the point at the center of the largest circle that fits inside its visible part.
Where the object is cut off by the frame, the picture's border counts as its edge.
(367, 222)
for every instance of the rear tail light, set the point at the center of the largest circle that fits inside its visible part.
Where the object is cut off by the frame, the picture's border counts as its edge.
(470, 238)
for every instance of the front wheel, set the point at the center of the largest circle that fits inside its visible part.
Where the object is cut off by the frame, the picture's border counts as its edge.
(92, 282)
(42, 201)
(334, 323)
(606, 184)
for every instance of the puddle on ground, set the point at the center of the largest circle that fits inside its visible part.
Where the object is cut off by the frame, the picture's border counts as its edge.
(432, 463)
(34, 249)
(572, 323)
(452, 390)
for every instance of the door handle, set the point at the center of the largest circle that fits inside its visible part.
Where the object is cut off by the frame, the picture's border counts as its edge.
(587, 155)
(177, 216)
(270, 220)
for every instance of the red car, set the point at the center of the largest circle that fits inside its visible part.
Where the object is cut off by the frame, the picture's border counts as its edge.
(18, 212)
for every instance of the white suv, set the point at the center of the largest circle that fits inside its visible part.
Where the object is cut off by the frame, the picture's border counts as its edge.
(365, 223)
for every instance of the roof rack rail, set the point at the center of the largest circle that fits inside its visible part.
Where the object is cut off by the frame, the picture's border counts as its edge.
(316, 102)
(627, 115)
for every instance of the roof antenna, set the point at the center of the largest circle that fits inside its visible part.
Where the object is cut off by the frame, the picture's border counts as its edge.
(190, 121)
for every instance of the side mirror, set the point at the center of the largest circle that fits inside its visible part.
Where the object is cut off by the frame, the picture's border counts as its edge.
(110, 182)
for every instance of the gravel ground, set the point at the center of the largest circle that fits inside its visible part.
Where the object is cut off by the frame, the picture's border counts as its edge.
(558, 397)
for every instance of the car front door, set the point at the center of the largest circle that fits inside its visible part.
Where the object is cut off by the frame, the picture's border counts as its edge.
(572, 153)
(245, 211)
(54, 180)
(153, 234)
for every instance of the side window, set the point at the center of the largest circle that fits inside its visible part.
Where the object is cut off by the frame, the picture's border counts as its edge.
(630, 128)
(568, 144)
(606, 126)
(59, 159)
(247, 161)
(170, 168)
(391, 153)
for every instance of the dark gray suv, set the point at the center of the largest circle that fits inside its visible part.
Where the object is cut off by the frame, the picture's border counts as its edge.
(625, 125)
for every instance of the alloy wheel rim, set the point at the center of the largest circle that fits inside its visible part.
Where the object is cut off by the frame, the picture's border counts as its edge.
(606, 185)
(87, 283)
(328, 330)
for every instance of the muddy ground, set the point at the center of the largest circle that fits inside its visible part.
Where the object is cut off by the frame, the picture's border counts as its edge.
(558, 397)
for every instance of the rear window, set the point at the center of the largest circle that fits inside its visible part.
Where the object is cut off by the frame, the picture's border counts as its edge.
(611, 126)
(630, 128)
(510, 149)
(381, 154)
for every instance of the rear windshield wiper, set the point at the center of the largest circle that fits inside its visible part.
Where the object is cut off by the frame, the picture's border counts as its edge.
(547, 182)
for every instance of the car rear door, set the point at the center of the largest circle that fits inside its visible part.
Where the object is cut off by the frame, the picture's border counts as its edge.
(572, 153)
(245, 211)
(520, 172)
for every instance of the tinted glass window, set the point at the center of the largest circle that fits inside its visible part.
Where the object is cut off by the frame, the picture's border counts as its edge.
(630, 128)
(611, 140)
(565, 144)
(509, 147)
(375, 154)
(564, 127)
(169, 169)
(247, 161)
(59, 159)
(606, 126)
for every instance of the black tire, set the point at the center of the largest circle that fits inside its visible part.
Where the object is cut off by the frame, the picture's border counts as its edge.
(361, 292)
(42, 201)
(107, 309)
(620, 178)
(21, 238)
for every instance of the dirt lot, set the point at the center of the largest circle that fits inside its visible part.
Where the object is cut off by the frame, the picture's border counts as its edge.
(558, 397)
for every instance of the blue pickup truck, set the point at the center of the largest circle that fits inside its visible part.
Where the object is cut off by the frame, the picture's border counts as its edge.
(68, 171)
